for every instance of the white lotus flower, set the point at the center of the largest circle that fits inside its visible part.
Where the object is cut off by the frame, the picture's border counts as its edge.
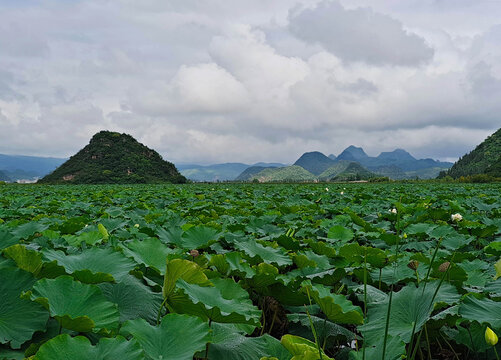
(136, 225)
(456, 217)
(393, 211)
(326, 189)
(342, 192)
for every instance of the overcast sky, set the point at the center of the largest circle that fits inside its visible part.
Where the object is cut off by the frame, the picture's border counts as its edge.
(209, 81)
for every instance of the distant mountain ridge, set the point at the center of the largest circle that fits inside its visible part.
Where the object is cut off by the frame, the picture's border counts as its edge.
(21, 167)
(114, 158)
(484, 159)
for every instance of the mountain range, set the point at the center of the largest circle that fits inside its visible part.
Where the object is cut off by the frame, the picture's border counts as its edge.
(397, 164)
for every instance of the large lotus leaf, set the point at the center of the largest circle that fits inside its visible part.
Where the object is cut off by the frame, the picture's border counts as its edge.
(151, 252)
(225, 302)
(133, 298)
(395, 350)
(340, 233)
(7, 239)
(238, 265)
(88, 237)
(265, 253)
(359, 254)
(26, 230)
(178, 337)
(411, 305)
(93, 265)
(481, 310)
(476, 271)
(230, 345)
(302, 349)
(299, 324)
(198, 237)
(472, 336)
(26, 259)
(19, 318)
(266, 275)
(494, 288)
(336, 307)
(64, 347)
(79, 307)
(182, 269)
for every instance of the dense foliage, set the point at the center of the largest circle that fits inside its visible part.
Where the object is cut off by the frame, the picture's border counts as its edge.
(114, 158)
(484, 159)
(247, 272)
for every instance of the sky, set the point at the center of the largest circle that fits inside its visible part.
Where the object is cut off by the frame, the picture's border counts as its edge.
(212, 81)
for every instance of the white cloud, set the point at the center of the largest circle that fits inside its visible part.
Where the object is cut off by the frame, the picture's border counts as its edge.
(250, 80)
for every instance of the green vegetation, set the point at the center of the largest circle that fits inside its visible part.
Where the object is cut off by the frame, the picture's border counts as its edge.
(484, 159)
(285, 174)
(250, 272)
(113, 158)
(3, 176)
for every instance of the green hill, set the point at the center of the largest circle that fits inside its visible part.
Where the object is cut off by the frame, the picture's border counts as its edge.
(315, 162)
(251, 171)
(334, 170)
(114, 158)
(353, 172)
(284, 174)
(484, 159)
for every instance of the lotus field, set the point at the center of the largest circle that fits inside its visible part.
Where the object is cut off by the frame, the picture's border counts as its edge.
(250, 272)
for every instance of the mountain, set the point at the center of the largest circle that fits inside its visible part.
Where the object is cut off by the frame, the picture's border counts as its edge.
(332, 157)
(19, 167)
(284, 174)
(249, 173)
(314, 162)
(484, 159)
(111, 157)
(353, 153)
(216, 172)
(353, 172)
(4, 177)
(397, 155)
(334, 170)
(219, 172)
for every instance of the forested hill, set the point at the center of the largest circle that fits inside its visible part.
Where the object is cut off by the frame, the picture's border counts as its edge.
(484, 159)
(114, 158)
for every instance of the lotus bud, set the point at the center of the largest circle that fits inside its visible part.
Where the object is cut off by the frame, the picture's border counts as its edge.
(342, 192)
(194, 253)
(456, 217)
(326, 189)
(136, 225)
(404, 235)
(413, 264)
(490, 337)
(444, 266)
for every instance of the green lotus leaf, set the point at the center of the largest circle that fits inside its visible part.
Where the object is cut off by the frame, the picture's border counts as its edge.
(497, 267)
(28, 260)
(198, 237)
(411, 305)
(476, 271)
(395, 350)
(7, 239)
(93, 265)
(485, 311)
(19, 318)
(65, 347)
(336, 307)
(266, 275)
(87, 237)
(227, 344)
(133, 298)
(178, 337)
(265, 253)
(302, 349)
(324, 328)
(151, 252)
(79, 307)
(182, 269)
(26, 230)
(225, 302)
(472, 336)
(340, 233)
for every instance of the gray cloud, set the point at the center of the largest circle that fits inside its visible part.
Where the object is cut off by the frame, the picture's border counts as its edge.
(246, 80)
(360, 35)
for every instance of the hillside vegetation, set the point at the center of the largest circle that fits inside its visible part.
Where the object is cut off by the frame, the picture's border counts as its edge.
(114, 158)
(484, 159)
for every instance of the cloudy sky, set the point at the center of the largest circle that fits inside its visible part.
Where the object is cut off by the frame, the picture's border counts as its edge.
(207, 81)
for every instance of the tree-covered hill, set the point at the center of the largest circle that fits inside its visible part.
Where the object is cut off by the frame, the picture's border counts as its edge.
(484, 159)
(114, 158)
